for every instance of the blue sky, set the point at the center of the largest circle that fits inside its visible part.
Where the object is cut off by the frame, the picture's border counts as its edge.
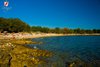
(55, 13)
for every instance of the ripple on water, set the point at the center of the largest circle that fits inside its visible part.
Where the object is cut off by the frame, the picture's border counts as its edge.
(83, 49)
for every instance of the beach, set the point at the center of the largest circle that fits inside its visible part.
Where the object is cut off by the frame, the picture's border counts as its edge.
(37, 35)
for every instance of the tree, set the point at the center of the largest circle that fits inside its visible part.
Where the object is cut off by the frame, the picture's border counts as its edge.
(13, 25)
(57, 30)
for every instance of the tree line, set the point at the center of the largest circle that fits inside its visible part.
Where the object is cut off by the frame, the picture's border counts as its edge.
(16, 25)
(64, 30)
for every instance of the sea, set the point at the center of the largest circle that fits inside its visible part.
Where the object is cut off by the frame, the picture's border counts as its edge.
(75, 51)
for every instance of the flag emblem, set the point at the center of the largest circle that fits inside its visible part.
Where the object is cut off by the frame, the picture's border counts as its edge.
(6, 4)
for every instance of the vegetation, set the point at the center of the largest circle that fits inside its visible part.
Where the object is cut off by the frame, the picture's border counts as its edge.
(63, 30)
(16, 25)
(13, 25)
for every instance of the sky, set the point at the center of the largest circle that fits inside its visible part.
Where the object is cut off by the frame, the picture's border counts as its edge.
(83, 14)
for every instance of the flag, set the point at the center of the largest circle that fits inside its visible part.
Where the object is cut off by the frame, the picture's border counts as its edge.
(6, 4)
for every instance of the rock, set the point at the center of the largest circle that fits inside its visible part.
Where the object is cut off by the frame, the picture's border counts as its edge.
(21, 56)
(4, 59)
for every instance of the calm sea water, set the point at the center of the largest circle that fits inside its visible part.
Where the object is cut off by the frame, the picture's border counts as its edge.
(72, 48)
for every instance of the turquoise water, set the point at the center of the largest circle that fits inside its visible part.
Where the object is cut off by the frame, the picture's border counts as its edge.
(83, 50)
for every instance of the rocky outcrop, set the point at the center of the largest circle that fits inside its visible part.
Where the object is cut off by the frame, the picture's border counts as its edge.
(18, 55)
(5, 56)
(22, 56)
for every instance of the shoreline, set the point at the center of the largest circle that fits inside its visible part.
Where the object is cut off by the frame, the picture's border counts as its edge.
(34, 35)
(16, 53)
(13, 53)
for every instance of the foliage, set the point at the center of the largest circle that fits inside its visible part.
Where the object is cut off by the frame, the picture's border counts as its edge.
(16, 25)
(13, 25)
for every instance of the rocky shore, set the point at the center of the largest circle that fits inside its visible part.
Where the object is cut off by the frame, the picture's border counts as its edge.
(13, 54)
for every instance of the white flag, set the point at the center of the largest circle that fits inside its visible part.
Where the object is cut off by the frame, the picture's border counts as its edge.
(6, 4)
